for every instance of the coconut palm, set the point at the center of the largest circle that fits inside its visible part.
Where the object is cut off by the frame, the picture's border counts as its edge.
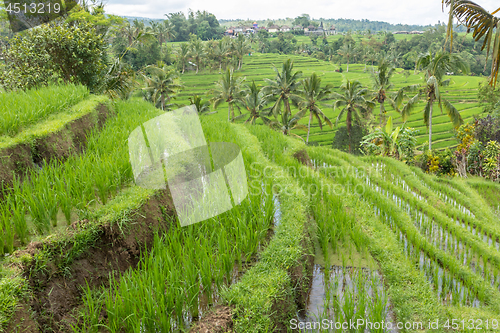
(161, 84)
(289, 123)
(381, 84)
(313, 93)
(183, 56)
(197, 52)
(284, 88)
(354, 104)
(201, 105)
(168, 30)
(240, 47)
(228, 89)
(255, 103)
(483, 25)
(435, 67)
(346, 51)
(222, 50)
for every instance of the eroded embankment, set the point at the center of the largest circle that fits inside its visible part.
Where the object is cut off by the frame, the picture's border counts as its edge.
(52, 139)
(58, 271)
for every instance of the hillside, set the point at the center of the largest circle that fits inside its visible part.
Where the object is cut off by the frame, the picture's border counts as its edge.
(462, 92)
(321, 233)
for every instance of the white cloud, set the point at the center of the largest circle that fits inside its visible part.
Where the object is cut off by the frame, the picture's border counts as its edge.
(421, 12)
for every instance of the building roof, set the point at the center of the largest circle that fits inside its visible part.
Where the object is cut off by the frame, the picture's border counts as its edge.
(274, 27)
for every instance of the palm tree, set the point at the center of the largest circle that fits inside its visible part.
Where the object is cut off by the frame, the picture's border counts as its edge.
(197, 51)
(201, 106)
(240, 47)
(228, 89)
(289, 123)
(482, 23)
(435, 67)
(222, 50)
(255, 103)
(183, 55)
(168, 30)
(161, 85)
(313, 93)
(129, 31)
(354, 104)
(381, 84)
(283, 88)
(347, 52)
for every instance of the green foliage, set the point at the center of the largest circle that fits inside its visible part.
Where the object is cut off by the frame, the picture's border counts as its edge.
(35, 105)
(437, 162)
(399, 143)
(342, 139)
(161, 86)
(69, 53)
(489, 97)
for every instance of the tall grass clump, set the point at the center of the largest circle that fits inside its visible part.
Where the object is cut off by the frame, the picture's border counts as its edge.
(20, 109)
(80, 183)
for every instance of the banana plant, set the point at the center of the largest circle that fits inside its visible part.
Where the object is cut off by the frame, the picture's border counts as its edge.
(387, 141)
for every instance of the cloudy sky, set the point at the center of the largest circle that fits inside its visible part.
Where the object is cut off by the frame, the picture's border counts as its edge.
(421, 12)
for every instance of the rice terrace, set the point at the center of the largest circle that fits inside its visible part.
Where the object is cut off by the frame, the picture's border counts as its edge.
(196, 174)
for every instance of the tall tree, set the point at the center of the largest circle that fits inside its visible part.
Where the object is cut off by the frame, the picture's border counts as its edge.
(255, 103)
(346, 51)
(354, 104)
(228, 89)
(198, 52)
(435, 67)
(483, 25)
(222, 51)
(183, 55)
(240, 47)
(314, 93)
(161, 84)
(284, 88)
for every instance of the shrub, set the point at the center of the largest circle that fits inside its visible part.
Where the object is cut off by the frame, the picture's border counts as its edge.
(341, 139)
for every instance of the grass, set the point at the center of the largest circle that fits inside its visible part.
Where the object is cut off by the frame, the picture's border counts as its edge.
(20, 109)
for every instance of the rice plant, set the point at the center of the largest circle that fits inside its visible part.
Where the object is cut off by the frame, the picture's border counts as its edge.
(19, 109)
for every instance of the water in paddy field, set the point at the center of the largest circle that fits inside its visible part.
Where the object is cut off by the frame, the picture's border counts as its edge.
(342, 294)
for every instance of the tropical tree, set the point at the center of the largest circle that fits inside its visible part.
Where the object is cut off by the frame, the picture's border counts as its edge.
(284, 88)
(198, 52)
(289, 123)
(484, 25)
(201, 105)
(255, 103)
(381, 84)
(161, 84)
(399, 142)
(346, 51)
(313, 93)
(222, 51)
(228, 89)
(168, 30)
(240, 47)
(354, 104)
(183, 55)
(435, 67)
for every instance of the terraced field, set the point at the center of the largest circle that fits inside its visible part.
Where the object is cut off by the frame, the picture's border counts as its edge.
(322, 235)
(462, 93)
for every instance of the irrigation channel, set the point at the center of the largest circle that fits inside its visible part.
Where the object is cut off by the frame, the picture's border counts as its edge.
(448, 287)
(345, 294)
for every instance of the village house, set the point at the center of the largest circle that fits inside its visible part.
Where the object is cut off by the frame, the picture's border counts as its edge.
(273, 29)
